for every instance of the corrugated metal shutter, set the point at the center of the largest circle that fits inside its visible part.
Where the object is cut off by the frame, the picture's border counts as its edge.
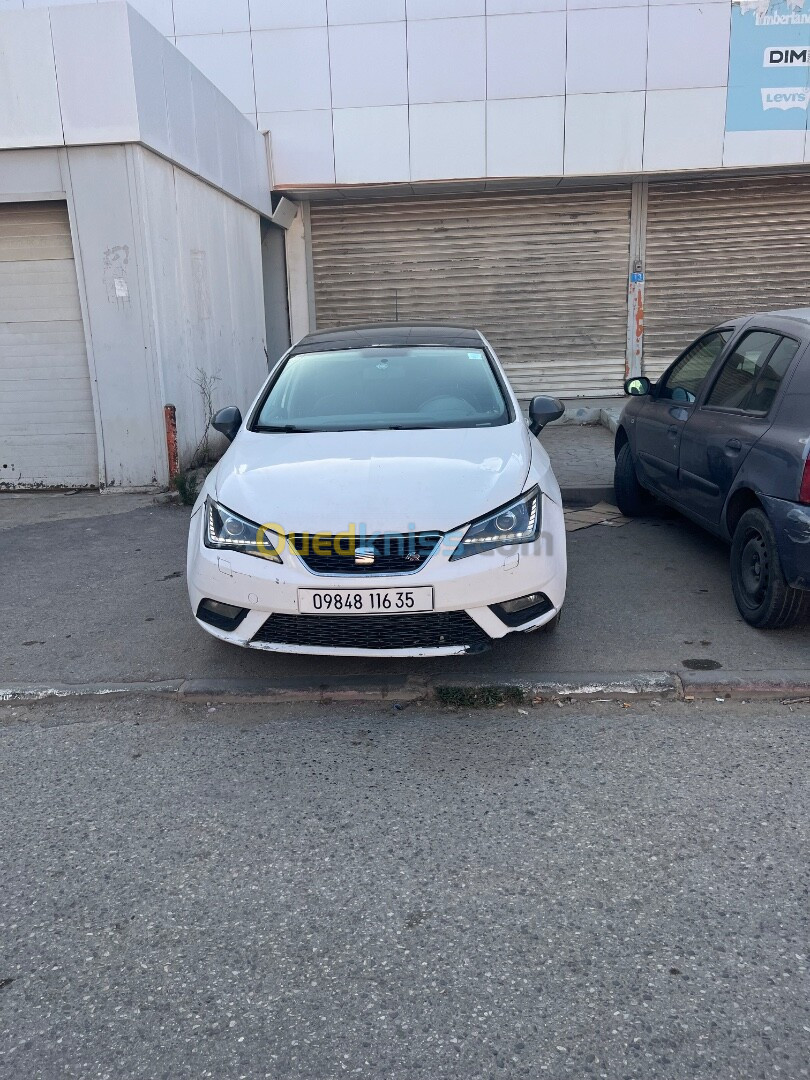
(719, 249)
(47, 426)
(544, 277)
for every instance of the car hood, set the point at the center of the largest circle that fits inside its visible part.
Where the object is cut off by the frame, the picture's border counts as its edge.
(379, 481)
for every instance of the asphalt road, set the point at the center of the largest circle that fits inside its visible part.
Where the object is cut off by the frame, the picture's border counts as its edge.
(280, 892)
(98, 596)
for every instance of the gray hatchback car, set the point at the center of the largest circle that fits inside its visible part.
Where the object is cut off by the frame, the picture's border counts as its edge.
(724, 437)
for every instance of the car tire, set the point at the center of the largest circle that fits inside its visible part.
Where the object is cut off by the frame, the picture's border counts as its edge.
(763, 596)
(631, 498)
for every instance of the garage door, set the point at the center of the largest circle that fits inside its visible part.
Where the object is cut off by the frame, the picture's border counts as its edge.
(719, 249)
(47, 427)
(543, 276)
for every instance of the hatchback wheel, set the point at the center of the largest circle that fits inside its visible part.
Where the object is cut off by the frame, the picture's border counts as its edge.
(631, 498)
(764, 598)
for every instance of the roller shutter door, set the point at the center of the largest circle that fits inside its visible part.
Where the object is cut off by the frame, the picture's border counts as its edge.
(720, 249)
(543, 276)
(47, 426)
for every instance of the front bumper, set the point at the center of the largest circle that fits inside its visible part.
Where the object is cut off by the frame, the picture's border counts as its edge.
(469, 585)
(791, 523)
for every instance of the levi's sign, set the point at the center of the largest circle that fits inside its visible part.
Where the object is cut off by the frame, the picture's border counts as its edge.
(787, 57)
(785, 97)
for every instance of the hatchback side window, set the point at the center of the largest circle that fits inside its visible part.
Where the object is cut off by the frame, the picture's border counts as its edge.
(752, 374)
(684, 381)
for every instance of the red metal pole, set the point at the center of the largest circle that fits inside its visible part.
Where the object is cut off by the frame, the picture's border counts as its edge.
(170, 415)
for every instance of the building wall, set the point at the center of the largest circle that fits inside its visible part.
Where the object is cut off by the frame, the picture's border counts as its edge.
(170, 278)
(204, 259)
(80, 74)
(363, 91)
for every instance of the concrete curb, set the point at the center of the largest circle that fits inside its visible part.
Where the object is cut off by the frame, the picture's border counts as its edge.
(588, 495)
(788, 686)
(746, 684)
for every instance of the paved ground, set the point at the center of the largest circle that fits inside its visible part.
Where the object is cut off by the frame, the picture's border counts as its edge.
(581, 454)
(278, 892)
(103, 598)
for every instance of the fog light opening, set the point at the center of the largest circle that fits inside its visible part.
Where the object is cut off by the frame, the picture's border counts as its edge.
(222, 616)
(523, 609)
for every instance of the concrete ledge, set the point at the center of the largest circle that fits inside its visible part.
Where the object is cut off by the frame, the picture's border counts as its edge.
(450, 687)
(70, 690)
(746, 684)
(334, 688)
(588, 495)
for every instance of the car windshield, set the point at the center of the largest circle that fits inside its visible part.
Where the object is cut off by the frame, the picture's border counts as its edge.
(383, 388)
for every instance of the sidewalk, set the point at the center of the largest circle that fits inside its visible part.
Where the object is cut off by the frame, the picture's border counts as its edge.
(582, 459)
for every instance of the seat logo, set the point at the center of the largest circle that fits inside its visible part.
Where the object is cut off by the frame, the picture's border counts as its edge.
(364, 556)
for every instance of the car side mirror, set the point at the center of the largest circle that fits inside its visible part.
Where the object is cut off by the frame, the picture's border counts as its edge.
(227, 421)
(542, 410)
(638, 387)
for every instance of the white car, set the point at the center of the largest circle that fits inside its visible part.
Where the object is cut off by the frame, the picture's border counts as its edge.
(384, 497)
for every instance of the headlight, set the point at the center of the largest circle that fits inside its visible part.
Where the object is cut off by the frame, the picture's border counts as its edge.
(224, 529)
(516, 523)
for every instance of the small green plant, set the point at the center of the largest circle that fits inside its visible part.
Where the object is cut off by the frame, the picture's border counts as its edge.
(479, 697)
(188, 484)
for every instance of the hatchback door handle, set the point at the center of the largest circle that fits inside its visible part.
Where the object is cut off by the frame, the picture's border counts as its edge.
(734, 444)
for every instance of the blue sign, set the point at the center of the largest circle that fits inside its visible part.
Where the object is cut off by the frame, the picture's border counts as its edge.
(636, 277)
(769, 66)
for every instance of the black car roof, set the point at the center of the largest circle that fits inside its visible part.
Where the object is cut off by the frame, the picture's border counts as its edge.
(796, 315)
(394, 334)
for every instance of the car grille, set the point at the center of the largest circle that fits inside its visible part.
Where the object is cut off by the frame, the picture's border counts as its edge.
(426, 630)
(394, 553)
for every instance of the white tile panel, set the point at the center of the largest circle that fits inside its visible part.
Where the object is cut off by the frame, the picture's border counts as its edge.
(10, 5)
(688, 46)
(607, 50)
(29, 101)
(301, 144)
(447, 60)
(283, 15)
(226, 59)
(684, 129)
(604, 133)
(180, 108)
(525, 137)
(763, 147)
(448, 140)
(206, 104)
(365, 11)
(291, 69)
(371, 145)
(581, 5)
(444, 9)
(159, 13)
(147, 46)
(210, 16)
(526, 55)
(520, 7)
(94, 73)
(369, 65)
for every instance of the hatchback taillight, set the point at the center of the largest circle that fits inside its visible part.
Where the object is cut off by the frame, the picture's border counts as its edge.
(804, 491)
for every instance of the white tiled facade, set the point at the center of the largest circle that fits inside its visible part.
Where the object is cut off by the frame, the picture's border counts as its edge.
(376, 91)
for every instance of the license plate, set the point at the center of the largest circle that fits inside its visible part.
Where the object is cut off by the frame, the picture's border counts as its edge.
(364, 601)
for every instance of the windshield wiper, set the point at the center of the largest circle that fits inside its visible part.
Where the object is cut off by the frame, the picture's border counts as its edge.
(286, 429)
